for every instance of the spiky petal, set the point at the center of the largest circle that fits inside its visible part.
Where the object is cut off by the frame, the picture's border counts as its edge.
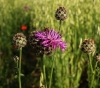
(39, 49)
(51, 38)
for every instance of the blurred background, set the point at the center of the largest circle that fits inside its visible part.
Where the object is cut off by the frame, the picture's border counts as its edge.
(24, 16)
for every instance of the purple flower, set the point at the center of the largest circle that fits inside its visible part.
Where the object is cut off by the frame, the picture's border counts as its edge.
(51, 38)
(26, 7)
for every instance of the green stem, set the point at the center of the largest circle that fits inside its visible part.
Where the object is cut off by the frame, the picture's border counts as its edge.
(90, 62)
(19, 70)
(92, 81)
(44, 74)
(91, 72)
(51, 72)
(60, 25)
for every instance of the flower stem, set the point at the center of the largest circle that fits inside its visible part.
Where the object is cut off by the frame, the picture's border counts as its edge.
(91, 71)
(60, 25)
(51, 72)
(19, 69)
(44, 73)
(90, 61)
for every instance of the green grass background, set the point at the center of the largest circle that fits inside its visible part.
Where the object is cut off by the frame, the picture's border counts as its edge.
(83, 22)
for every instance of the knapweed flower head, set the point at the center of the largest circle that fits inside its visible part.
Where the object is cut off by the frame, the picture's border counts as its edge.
(39, 49)
(19, 40)
(46, 41)
(23, 27)
(16, 58)
(88, 46)
(97, 57)
(51, 38)
(61, 13)
(26, 7)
